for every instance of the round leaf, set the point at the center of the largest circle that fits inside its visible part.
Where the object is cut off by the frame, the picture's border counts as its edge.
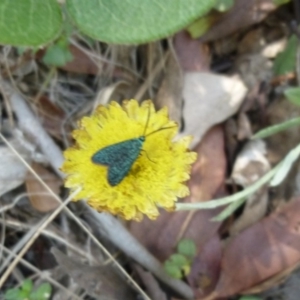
(178, 260)
(14, 294)
(27, 285)
(172, 270)
(134, 21)
(187, 247)
(29, 22)
(57, 55)
(43, 292)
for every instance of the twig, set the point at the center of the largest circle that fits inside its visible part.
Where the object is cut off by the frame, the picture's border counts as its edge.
(143, 88)
(18, 246)
(51, 234)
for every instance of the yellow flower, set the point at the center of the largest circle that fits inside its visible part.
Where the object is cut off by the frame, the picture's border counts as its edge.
(155, 179)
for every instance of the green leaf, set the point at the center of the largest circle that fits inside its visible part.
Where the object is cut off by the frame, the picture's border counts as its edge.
(276, 128)
(16, 294)
(29, 22)
(27, 286)
(172, 270)
(134, 21)
(179, 260)
(13, 294)
(293, 95)
(187, 248)
(57, 55)
(43, 292)
(285, 61)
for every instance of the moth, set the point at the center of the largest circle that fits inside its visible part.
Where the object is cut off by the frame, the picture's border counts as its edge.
(120, 157)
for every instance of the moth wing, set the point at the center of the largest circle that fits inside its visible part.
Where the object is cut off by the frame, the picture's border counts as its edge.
(104, 156)
(117, 172)
(119, 158)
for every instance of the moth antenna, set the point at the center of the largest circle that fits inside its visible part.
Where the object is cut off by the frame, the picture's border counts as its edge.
(147, 155)
(148, 119)
(163, 128)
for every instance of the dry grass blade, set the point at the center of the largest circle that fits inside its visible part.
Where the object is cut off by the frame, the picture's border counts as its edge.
(20, 244)
(50, 233)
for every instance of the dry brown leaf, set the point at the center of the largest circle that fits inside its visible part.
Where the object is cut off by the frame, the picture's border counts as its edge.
(243, 14)
(51, 116)
(274, 281)
(244, 130)
(193, 55)
(205, 268)
(39, 197)
(261, 251)
(81, 63)
(170, 91)
(252, 42)
(209, 170)
(209, 100)
(161, 236)
(255, 209)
